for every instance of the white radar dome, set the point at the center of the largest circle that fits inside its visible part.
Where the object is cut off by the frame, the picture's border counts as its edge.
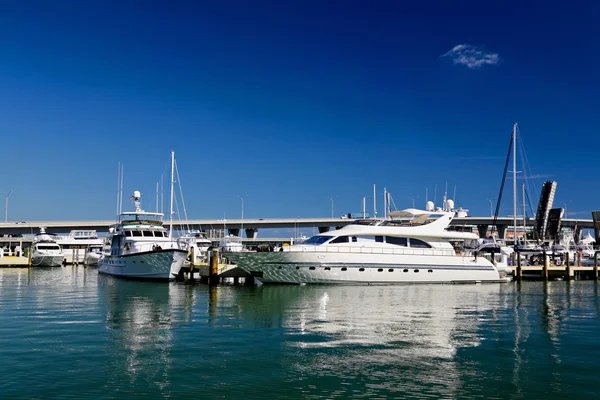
(450, 204)
(429, 206)
(137, 195)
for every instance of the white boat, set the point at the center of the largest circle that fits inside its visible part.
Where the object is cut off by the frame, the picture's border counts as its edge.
(231, 243)
(93, 254)
(198, 243)
(140, 247)
(412, 246)
(45, 251)
(75, 244)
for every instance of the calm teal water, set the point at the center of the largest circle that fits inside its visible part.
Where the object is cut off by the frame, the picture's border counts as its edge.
(69, 333)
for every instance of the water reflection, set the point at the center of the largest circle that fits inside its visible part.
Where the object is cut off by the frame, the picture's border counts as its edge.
(139, 319)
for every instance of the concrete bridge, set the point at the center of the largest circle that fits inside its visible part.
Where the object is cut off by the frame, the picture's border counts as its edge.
(252, 226)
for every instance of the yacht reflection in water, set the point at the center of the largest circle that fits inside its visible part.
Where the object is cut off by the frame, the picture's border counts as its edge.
(139, 318)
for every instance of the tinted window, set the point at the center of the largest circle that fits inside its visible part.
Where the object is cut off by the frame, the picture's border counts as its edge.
(137, 233)
(419, 244)
(317, 240)
(148, 233)
(379, 239)
(398, 241)
(340, 239)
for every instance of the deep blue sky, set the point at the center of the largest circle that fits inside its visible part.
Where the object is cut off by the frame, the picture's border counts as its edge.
(291, 103)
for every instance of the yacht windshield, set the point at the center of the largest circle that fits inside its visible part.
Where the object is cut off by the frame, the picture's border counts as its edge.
(317, 240)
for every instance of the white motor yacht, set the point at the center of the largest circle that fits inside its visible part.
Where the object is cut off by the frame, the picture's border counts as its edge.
(93, 254)
(45, 252)
(197, 242)
(231, 243)
(139, 247)
(412, 246)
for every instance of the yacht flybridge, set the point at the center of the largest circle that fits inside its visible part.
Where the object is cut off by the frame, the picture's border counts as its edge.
(411, 246)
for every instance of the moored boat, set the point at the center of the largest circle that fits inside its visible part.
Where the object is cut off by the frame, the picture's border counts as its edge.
(139, 247)
(45, 251)
(412, 246)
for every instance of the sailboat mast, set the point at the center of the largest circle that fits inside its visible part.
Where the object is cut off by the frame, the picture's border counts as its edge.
(172, 190)
(524, 215)
(515, 183)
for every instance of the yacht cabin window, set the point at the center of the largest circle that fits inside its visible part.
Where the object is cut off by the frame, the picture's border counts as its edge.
(419, 244)
(147, 233)
(317, 240)
(340, 239)
(136, 233)
(398, 241)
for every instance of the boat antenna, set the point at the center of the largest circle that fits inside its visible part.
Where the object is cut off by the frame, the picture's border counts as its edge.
(157, 197)
(374, 202)
(118, 187)
(384, 203)
(435, 193)
(121, 190)
(172, 189)
(454, 194)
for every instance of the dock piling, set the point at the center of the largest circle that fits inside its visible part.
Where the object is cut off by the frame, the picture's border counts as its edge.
(568, 267)
(596, 264)
(214, 266)
(519, 268)
(545, 268)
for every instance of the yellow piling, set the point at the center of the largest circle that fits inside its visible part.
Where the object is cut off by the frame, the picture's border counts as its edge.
(214, 266)
(545, 267)
(596, 265)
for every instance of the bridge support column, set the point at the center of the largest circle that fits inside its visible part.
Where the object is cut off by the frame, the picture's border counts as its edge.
(323, 229)
(482, 230)
(502, 231)
(251, 233)
(234, 232)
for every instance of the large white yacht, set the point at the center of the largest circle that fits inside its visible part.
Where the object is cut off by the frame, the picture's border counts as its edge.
(139, 247)
(45, 252)
(411, 246)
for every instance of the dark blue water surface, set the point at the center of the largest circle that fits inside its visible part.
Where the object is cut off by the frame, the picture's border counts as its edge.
(69, 333)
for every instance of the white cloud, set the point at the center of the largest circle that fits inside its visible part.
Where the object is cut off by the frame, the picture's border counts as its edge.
(472, 56)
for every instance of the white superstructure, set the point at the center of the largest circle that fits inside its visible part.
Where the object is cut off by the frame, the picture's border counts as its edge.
(45, 252)
(412, 246)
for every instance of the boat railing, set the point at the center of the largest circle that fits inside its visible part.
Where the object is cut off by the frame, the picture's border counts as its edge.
(377, 250)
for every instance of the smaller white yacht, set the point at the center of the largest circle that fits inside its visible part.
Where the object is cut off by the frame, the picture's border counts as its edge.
(231, 244)
(200, 244)
(93, 254)
(45, 251)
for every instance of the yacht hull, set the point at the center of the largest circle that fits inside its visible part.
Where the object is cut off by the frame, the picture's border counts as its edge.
(151, 265)
(315, 267)
(47, 260)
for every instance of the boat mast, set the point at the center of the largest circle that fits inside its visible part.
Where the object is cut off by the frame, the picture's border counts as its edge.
(172, 189)
(524, 216)
(515, 183)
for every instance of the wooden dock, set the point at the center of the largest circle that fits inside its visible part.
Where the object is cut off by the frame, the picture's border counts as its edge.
(547, 271)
